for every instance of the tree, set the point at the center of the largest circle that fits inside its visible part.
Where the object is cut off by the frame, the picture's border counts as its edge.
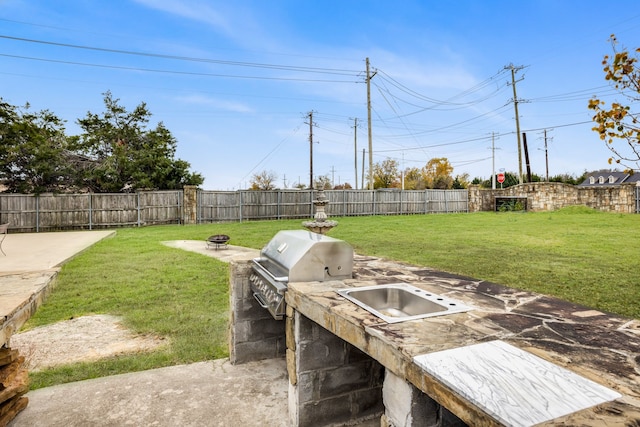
(33, 151)
(345, 186)
(617, 122)
(322, 182)
(569, 178)
(264, 180)
(122, 154)
(413, 179)
(510, 179)
(461, 181)
(437, 173)
(385, 174)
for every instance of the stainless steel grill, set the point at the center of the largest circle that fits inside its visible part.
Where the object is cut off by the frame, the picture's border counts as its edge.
(297, 256)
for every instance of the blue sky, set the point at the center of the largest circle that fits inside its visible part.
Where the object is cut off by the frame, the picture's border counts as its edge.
(234, 81)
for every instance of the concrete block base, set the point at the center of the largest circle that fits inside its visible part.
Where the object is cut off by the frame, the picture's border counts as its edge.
(334, 383)
(253, 333)
(407, 406)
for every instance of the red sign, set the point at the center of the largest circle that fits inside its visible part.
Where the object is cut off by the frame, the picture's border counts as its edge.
(500, 178)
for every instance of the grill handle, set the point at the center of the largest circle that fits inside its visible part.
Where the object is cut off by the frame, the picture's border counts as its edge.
(261, 301)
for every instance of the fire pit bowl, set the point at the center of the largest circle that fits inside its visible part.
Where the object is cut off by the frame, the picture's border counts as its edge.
(217, 240)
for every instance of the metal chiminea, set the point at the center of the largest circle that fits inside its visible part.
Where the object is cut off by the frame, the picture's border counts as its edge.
(320, 224)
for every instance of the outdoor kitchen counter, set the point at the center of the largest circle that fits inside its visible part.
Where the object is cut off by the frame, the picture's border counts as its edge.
(598, 346)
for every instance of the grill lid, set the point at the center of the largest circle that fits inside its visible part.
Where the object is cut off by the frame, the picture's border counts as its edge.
(308, 256)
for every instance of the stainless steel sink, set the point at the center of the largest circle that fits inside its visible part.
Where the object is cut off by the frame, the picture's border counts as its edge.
(399, 302)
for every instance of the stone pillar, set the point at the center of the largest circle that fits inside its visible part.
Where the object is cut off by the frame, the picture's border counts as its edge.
(331, 382)
(474, 204)
(407, 406)
(253, 333)
(190, 208)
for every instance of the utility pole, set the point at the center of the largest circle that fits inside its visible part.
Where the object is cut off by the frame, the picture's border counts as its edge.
(369, 77)
(546, 153)
(402, 173)
(355, 150)
(526, 156)
(362, 185)
(310, 149)
(493, 161)
(515, 105)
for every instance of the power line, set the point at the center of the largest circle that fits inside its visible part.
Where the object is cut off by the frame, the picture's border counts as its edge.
(444, 144)
(483, 138)
(189, 73)
(449, 102)
(270, 153)
(354, 73)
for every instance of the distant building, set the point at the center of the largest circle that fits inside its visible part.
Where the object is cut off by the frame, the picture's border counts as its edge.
(607, 179)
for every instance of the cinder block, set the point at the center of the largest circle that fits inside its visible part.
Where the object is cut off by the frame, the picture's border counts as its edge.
(344, 379)
(336, 411)
(313, 355)
(307, 386)
(367, 404)
(304, 327)
(254, 330)
(406, 405)
(354, 354)
(258, 350)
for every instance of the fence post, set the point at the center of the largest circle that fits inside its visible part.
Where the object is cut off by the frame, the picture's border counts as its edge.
(190, 211)
(138, 206)
(199, 208)
(426, 202)
(179, 206)
(446, 205)
(37, 213)
(344, 202)
(90, 211)
(373, 202)
(240, 204)
(278, 202)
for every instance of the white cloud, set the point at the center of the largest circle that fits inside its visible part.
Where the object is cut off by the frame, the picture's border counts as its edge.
(194, 10)
(231, 20)
(236, 107)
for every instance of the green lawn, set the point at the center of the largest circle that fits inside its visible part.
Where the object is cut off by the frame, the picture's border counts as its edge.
(576, 254)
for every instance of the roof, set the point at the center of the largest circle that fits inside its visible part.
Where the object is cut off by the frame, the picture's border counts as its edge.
(606, 178)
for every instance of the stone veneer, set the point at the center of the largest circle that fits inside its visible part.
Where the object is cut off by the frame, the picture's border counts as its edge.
(549, 196)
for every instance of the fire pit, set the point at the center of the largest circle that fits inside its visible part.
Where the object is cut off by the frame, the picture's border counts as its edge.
(217, 241)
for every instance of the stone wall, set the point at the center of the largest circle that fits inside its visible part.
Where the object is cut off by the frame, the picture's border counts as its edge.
(549, 196)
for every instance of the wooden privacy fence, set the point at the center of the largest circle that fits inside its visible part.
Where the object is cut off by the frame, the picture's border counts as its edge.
(215, 206)
(50, 212)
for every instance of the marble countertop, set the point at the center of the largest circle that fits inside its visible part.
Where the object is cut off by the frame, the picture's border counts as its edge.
(586, 353)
